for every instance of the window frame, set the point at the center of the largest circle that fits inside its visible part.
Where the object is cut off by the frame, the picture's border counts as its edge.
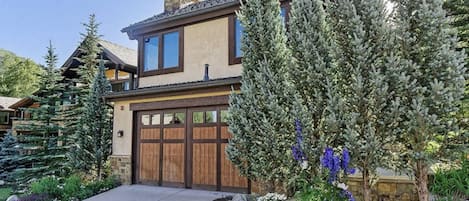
(160, 70)
(7, 118)
(232, 59)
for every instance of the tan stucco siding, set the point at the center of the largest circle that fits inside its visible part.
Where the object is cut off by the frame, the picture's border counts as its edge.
(122, 146)
(204, 43)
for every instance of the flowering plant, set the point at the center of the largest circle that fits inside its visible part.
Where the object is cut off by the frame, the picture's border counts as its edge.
(329, 186)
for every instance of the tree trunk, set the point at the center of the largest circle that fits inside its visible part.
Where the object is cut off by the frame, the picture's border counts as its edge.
(366, 186)
(421, 177)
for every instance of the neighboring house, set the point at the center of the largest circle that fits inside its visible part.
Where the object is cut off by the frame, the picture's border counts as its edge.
(6, 114)
(121, 70)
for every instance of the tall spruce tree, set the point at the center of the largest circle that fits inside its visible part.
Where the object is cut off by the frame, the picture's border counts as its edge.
(9, 154)
(261, 115)
(436, 70)
(93, 147)
(80, 87)
(458, 11)
(45, 146)
(313, 48)
(368, 80)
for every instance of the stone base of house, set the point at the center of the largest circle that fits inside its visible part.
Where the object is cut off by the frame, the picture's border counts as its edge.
(121, 167)
(387, 189)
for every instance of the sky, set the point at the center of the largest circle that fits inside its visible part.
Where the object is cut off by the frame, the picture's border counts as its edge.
(27, 26)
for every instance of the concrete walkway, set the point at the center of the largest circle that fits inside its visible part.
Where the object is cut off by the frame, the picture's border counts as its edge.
(152, 193)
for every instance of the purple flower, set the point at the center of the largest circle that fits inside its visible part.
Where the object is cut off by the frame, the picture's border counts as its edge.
(297, 149)
(298, 154)
(348, 195)
(332, 163)
(345, 162)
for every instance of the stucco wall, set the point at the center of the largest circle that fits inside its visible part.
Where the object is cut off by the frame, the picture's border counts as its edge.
(204, 43)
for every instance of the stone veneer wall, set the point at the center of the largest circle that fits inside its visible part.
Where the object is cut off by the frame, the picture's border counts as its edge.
(121, 167)
(394, 189)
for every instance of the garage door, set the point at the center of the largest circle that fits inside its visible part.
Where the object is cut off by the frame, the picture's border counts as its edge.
(208, 136)
(186, 148)
(161, 148)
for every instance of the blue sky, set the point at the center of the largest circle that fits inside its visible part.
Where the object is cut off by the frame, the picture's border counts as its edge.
(26, 26)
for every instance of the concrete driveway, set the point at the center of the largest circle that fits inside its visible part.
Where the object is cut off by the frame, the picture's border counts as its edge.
(152, 193)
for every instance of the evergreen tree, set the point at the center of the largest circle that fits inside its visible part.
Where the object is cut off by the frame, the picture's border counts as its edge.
(313, 78)
(368, 79)
(458, 11)
(45, 146)
(437, 76)
(80, 87)
(93, 146)
(261, 116)
(8, 157)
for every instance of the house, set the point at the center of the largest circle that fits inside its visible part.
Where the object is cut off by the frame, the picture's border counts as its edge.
(6, 113)
(171, 130)
(121, 70)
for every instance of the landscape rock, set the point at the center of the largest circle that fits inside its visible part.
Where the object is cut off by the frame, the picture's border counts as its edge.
(13, 198)
(240, 197)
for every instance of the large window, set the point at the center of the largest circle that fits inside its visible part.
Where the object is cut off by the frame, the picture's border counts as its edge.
(236, 34)
(4, 117)
(163, 53)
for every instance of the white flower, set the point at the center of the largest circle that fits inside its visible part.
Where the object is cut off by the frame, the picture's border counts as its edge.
(342, 186)
(304, 165)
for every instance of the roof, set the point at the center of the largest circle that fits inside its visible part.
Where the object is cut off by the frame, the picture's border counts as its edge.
(190, 10)
(25, 102)
(6, 102)
(126, 55)
(117, 54)
(175, 87)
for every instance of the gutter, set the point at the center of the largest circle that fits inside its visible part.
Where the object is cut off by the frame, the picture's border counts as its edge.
(174, 88)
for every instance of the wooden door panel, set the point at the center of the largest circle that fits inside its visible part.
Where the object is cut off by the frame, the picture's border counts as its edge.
(150, 133)
(149, 162)
(173, 162)
(174, 133)
(200, 133)
(204, 164)
(230, 176)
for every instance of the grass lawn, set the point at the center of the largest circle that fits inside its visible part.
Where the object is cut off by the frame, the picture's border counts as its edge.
(5, 193)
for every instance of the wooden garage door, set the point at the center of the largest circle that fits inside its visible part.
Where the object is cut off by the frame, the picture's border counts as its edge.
(161, 148)
(208, 140)
(175, 149)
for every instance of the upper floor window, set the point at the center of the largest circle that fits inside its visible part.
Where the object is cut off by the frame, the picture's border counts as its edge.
(236, 34)
(4, 117)
(163, 53)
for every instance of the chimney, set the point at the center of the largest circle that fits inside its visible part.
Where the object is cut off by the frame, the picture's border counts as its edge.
(172, 5)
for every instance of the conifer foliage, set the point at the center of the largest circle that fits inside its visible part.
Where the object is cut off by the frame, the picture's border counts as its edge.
(45, 146)
(368, 82)
(93, 147)
(312, 48)
(436, 73)
(262, 114)
(79, 89)
(9, 154)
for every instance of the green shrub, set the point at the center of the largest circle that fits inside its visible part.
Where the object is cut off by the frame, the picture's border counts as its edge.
(103, 185)
(5, 193)
(452, 184)
(72, 188)
(47, 185)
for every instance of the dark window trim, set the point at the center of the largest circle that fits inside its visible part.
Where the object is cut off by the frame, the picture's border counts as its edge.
(232, 59)
(160, 70)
